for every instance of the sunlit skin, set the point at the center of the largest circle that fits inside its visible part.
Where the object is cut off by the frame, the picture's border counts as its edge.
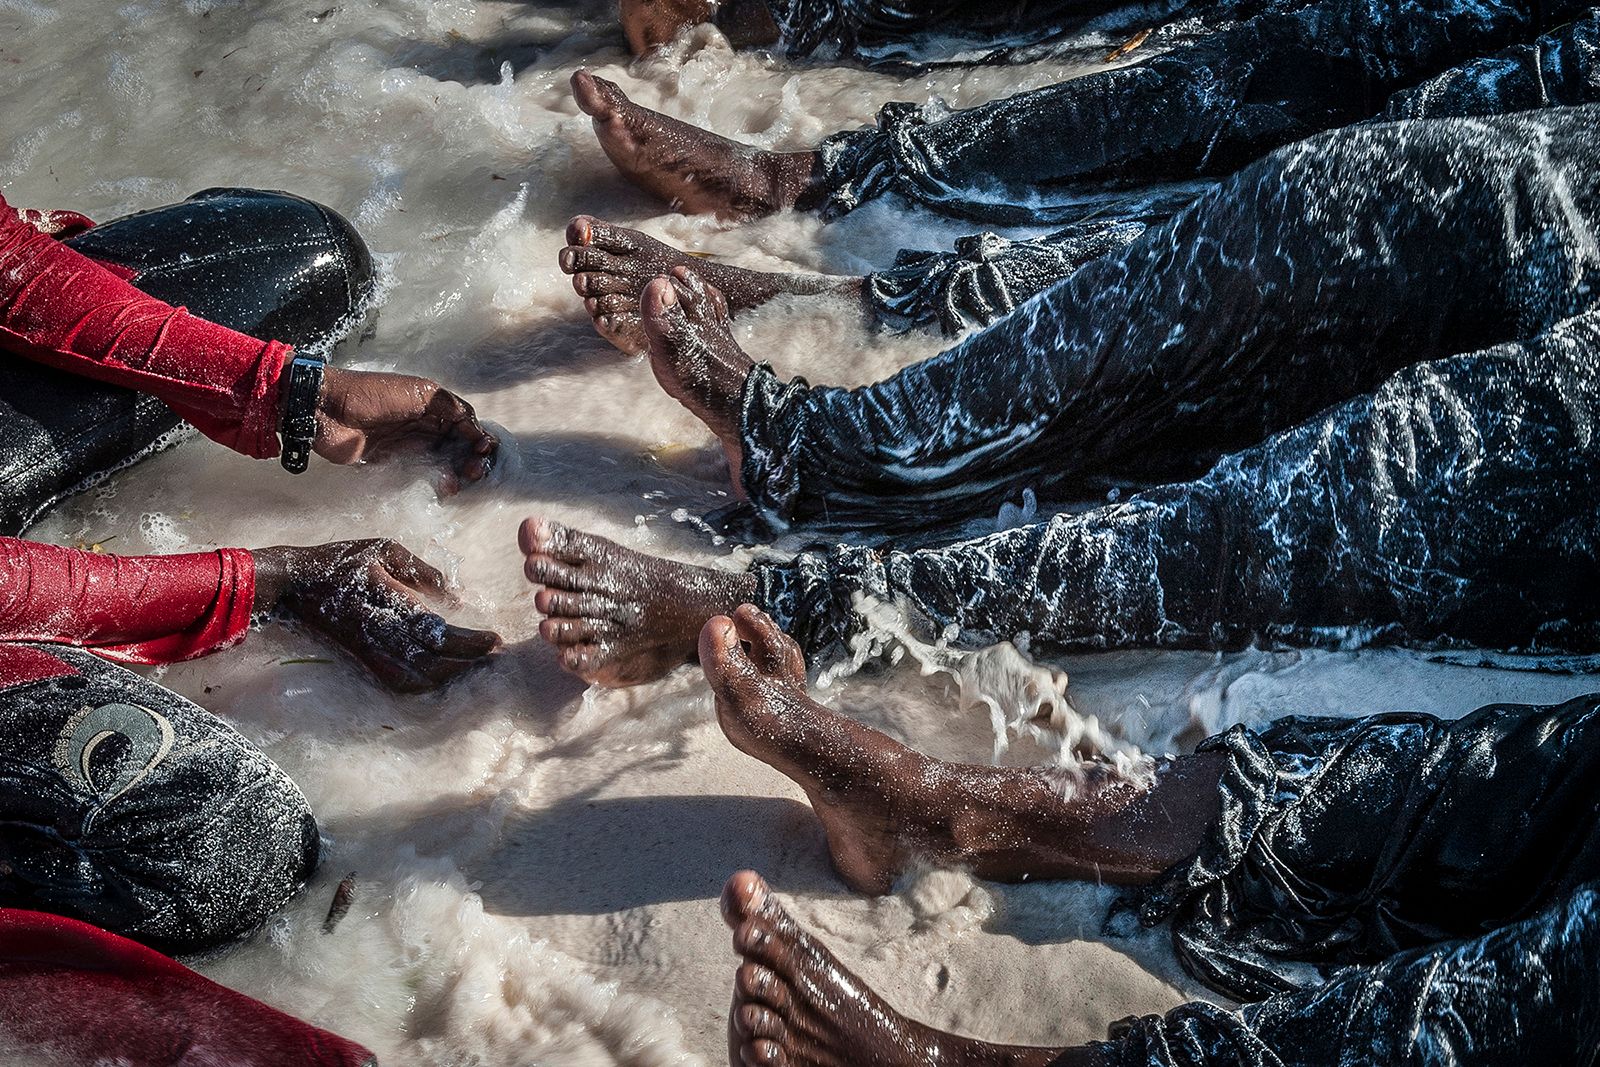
(695, 358)
(371, 415)
(611, 265)
(366, 597)
(618, 617)
(882, 805)
(693, 171)
(796, 1005)
(693, 354)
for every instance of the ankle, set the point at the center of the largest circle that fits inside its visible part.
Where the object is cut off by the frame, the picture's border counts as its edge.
(789, 175)
(742, 588)
(725, 400)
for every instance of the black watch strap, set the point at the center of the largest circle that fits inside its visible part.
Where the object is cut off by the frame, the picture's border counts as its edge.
(299, 427)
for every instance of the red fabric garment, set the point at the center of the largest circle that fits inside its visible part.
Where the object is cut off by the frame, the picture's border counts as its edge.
(60, 307)
(72, 994)
(57, 224)
(133, 609)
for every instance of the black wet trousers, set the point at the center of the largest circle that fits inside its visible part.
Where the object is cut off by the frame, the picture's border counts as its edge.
(1452, 502)
(124, 805)
(1065, 155)
(268, 264)
(1391, 890)
(898, 31)
(1524, 994)
(1305, 280)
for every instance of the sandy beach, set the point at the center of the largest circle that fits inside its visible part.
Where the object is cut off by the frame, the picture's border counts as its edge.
(537, 865)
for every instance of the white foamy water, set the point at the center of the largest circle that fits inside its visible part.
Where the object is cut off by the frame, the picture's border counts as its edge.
(537, 868)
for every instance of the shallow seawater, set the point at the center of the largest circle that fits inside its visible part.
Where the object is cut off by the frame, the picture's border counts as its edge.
(537, 867)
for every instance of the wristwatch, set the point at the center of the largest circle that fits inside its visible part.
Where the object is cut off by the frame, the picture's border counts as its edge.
(299, 427)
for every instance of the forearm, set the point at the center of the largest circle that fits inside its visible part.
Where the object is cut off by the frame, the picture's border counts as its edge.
(142, 609)
(63, 309)
(272, 577)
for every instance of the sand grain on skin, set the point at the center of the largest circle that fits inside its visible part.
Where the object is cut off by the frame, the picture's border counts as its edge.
(539, 867)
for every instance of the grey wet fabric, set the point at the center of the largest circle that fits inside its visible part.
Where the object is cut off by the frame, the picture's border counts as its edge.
(1453, 505)
(986, 276)
(1202, 110)
(1302, 281)
(268, 264)
(126, 806)
(1560, 68)
(1524, 994)
(1345, 841)
(1397, 889)
(893, 32)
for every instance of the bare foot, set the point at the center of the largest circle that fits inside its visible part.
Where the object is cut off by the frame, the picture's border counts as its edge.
(695, 358)
(695, 171)
(881, 803)
(796, 1005)
(610, 266)
(617, 617)
(606, 260)
(862, 785)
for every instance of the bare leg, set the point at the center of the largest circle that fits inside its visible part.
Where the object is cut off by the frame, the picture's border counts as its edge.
(795, 1004)
(617, 617)
(695, 171)
(881, 803)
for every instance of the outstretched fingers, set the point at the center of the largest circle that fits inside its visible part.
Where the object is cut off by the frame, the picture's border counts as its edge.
(420, 576)
(419, 641)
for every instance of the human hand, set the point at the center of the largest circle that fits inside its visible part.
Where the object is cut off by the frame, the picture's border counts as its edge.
(369, 414)
(362, 596)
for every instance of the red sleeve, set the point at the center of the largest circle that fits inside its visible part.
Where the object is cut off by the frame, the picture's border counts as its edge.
(136, 609)
(60, 307)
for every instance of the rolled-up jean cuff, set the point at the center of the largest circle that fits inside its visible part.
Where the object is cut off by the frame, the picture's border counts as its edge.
(857, 166)
(771, 439)
(812, 597)
(809, 28)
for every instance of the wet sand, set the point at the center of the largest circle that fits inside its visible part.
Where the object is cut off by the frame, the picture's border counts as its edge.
(537, 866)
